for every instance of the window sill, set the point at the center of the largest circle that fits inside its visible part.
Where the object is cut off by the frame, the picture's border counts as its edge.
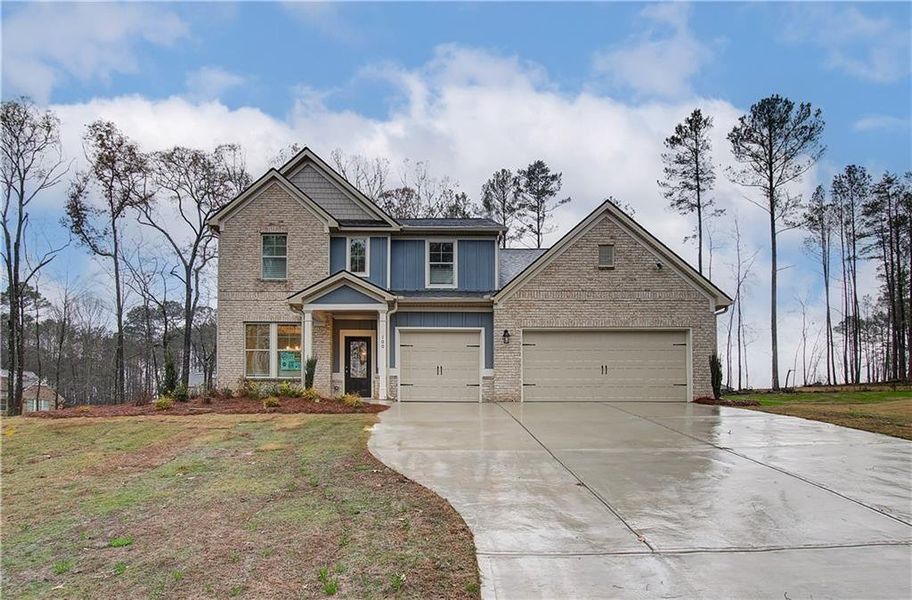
(606, 267)
(271, 280)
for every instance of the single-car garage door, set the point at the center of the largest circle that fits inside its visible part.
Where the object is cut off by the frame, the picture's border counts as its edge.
(641, 365)
(441, 366)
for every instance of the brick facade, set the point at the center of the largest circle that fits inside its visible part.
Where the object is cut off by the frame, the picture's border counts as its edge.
(244, 297)
(573, 292)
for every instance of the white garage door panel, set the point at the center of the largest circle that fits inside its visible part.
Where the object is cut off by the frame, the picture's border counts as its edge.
(644, 365)
(439, 366)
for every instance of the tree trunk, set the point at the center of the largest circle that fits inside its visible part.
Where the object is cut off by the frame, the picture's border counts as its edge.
(774, 331)
(119, 391)
(188, 324)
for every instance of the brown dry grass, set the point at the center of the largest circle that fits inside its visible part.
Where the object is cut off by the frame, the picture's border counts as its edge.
(247, 506)
(890, 417)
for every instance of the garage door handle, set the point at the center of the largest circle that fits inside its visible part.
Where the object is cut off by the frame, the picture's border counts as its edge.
(406, 346)
(473, 385)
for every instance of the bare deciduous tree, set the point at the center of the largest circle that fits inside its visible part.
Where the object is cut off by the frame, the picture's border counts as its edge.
(31, 163)
(191, 186)
(116, 178)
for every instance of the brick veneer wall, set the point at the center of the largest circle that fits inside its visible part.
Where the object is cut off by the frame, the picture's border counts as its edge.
(244, 297)
(573, 292)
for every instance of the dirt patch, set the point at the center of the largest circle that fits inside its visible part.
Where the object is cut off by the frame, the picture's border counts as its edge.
(235, 406)
(725, 402)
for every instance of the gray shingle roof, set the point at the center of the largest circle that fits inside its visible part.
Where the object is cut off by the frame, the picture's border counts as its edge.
(514, 260)
(456, 223)
(441, 294)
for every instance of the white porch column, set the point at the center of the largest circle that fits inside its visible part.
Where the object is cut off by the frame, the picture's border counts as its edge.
(383, 351)
(308, 334)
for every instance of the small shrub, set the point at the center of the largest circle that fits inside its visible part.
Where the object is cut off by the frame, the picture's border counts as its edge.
(120, 568)
(181, 394)
(62, 566)
(311, 395)
(715, 369)
(310, 367)
(351, 400)
(206, 398)
(290, 389)
(121, 541)
(84, 408)
(226, 392)
(164, 403)
(270, 402)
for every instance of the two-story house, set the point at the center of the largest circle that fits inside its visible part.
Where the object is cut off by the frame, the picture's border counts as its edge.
(435, 310)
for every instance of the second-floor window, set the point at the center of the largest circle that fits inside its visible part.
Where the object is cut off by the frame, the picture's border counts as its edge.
(441, 264)
(358, 255)
(275, 256)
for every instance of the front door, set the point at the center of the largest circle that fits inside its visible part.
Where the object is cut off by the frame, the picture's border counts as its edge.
(358, 366)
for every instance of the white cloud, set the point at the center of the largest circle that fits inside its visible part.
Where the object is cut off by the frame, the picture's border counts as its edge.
(867, 47)
(885, 123)
(209, 83)
(660, 61)
(43, 43)
(469, 112)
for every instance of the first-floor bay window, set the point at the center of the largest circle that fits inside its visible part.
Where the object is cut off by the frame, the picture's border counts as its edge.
(273, 350)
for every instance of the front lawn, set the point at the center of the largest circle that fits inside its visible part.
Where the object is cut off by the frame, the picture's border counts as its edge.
(887, 412)
(220, 506)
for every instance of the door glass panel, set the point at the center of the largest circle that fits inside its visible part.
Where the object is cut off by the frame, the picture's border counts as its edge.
(357, 351)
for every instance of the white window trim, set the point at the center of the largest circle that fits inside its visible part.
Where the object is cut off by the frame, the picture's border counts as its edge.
(263, 257)
(273, 351)
(427, 264)
(367, 255)
(613, 257)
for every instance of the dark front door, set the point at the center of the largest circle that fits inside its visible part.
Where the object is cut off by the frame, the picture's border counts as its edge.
(358, 366)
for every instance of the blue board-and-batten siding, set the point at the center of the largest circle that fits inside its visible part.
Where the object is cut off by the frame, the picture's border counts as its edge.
(378, 247)
(337, 258)
(445, 319)
(407, 265)
(475, 265)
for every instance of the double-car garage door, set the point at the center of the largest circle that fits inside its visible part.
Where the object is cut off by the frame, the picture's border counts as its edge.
(569, 365)
(557, 365)
(440, 365)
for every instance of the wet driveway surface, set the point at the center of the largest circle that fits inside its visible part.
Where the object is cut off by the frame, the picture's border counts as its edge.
(656, 500)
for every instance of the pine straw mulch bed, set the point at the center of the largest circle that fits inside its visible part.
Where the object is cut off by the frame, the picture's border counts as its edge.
(725, 402)
(236, 406)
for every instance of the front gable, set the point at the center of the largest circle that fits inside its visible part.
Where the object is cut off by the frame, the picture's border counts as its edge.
(343, 288)
(644, 269)
(270, 181)
(335, 193)
(344, 294)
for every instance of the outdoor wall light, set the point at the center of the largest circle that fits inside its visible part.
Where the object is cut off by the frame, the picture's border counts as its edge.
(506, 336)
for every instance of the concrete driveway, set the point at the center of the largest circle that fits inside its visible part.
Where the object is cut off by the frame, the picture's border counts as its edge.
(650, 500)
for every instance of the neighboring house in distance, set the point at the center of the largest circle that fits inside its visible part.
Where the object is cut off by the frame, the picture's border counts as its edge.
(36, 395)
(434, 310)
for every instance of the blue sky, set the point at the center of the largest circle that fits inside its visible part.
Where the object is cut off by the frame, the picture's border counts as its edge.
(592, 88)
